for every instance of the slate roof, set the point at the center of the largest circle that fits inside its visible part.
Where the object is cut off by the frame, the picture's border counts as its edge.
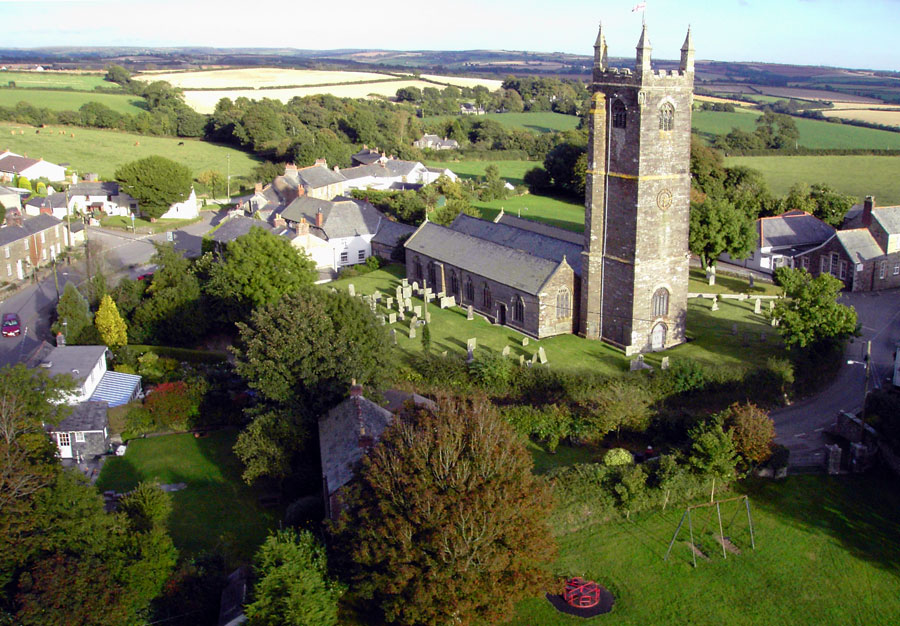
(341, 217)
(529, 241)
(318, 176)
(71, 359)
(85, 417)
(859, 244)
(52, 201)
(389, 233)
(339, 437)
(520, 270)
(235, 227)
(366, 156)
(391, 168)
(102, 188)
(29, 226)
(540, 228)
(889, 218)
(14, 163)
(792, 229)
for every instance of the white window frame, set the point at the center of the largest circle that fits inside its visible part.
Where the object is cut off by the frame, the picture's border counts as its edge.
(896, 268)
(6, 252)
(43, 238)
(804, 262)
(843, 270)
(79, 437)
(824, 264)
(882, 269)
(64, 439)
(345, 257)
(362, 255)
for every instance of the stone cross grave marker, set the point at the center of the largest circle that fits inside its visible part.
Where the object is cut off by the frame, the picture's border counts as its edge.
(441, 294)
(542, 356)
(521, 360)
(757, 306)
(351, 289)
(715, 303)
(404, 282)
(470, 313)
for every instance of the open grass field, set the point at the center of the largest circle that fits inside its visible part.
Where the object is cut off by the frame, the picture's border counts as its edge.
(216, 507)
(891, 117)
(71, 100)
(711, 342)
(827, 552)
(513, 171)
(56, 80)
(813, 133)
(102, 151)
(560, 212)
(541, 122)
(856, 175)
(254, 78)
(465, 81)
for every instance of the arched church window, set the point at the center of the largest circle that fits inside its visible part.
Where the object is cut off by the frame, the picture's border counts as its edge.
(470, 290)
(519, 309)
(432, 275)
(454, 284)
(417, 268)
(486, 298)
(618, 114)
(666, 116)
(563, 303)
(660, 305)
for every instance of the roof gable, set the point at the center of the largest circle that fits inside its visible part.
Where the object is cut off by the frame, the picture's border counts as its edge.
(792, 229)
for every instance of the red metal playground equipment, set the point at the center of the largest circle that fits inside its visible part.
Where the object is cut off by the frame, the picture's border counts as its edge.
(581, 593)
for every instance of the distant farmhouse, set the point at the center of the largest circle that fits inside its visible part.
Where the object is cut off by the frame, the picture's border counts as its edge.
(433, 142)
(13, 165)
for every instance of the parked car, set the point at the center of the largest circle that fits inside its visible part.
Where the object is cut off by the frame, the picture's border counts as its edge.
(11, 325)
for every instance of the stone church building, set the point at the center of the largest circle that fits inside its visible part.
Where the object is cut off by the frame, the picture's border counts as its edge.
(624, 281)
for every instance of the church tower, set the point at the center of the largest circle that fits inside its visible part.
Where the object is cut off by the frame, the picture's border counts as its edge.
(637, 202)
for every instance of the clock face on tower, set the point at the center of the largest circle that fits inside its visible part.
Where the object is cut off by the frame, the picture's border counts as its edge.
(664, 199)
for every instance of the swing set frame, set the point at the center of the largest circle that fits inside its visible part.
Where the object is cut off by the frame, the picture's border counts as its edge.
(716, 503)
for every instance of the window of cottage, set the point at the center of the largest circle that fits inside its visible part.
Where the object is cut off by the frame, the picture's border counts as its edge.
(563, 303)
(362, 255)
(619, 115)
(345, 257)
(79, 437)
(660, 302)
(882, 269)
(835, 259)
(666, 117)
(843, 270)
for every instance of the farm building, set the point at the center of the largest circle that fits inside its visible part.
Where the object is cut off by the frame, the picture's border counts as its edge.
(14, 165)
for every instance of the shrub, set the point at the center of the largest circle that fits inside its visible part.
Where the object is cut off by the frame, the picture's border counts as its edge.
(780, 457)
(139, 421)
(373, 263)
(617, 456)
(492, 371)
(752, 431)
(549, 423)
(172, 405)
(685, 376)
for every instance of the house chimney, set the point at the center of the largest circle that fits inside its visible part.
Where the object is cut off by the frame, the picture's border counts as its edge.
(868, 205)
(301, 191)
(257, 188)
(279, 222)
(303, 227)
(319, 218)
(290, 169)
(337, 169)
(322, 162)
(355, 390)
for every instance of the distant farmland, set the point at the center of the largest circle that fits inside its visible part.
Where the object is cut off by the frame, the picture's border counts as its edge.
(55, 80)
(542, 122)
(254, 78)
(71, 100)
(854, 175)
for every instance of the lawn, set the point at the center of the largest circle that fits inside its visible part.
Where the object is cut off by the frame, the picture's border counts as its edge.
(71, 100)
(827, 552)
(216, 507)
(56, 80)
(541, 122)
(102, 151)
(560, 212)
(710, 333)
(145, 226)
(856, 175)
(729, 284)
(813, 133)
(512, 171)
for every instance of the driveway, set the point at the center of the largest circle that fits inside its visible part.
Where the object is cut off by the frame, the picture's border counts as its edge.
(800, 426)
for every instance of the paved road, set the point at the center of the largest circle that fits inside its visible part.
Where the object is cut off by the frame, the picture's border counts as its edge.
(800, 426)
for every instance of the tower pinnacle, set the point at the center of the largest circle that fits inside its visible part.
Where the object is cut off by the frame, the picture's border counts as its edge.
(687, 53)
(643, 53)
(600, 58)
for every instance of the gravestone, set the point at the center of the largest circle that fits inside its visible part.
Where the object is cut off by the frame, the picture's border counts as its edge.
(427, 317)
(774, 322)
(441, 295)
(417, 310)
(521, 360)
(470, 354)
(715, 304)
(470, 313)
(664, 364)
(471, 344)
(333, 290)
(734, 330)
(636, 364)
(351, 289)
(444, 354)
(429, 297)
(392, 318)
(534, 358)
(407, 292)
(524, 341)
(407, 304)
(401, 316)
(505, 351)
(751, 281)
(771, 305)
(757, 306)
(412, 331)
(428, 291)
(415, 286)
(389, 302)
(451, 301)
(404, 282)
(542, 356)
(376, 296)
(394, 336)
(414, 320)
(381, 320)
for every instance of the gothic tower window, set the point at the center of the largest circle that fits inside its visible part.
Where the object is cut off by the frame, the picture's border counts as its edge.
(619, 115)
(486, 298)
(563, 303)
(454, 284)
(470, 290)
(666, 117)
(519, 309)
(660, 305)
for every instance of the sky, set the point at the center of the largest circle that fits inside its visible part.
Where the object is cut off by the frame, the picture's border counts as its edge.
(842, 33)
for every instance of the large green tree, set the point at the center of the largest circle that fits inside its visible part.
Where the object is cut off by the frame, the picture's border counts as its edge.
(712, 453)
(254, 270)
(293, 587)
(73, 314)
(446, 522)
(717, 226)
(156, 183)
(809, 311)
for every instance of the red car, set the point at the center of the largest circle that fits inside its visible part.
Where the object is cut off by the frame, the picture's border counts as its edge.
(11, 326)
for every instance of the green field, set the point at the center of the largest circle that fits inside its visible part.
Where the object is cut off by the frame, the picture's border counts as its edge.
(512, 171)
(102, 151)
(216, 508)
(813, 134)
(55, 80)
(560, 212)
(541, 122)
(70, 100)
(827, 552)
(856, 175)
(712, 341)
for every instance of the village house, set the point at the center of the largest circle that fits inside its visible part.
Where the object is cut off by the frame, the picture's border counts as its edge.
(433, 142)
(84, 433)
(13, 165)
(26, 244)
(10, 198)
(315, 181)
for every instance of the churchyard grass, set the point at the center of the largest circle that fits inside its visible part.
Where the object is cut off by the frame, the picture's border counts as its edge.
(215, 509)
(827, 552)
(730, 284)
(56, 80)
(814, 134)
(710, 333)
(855, 175)
(102, 151)
(70, 100)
